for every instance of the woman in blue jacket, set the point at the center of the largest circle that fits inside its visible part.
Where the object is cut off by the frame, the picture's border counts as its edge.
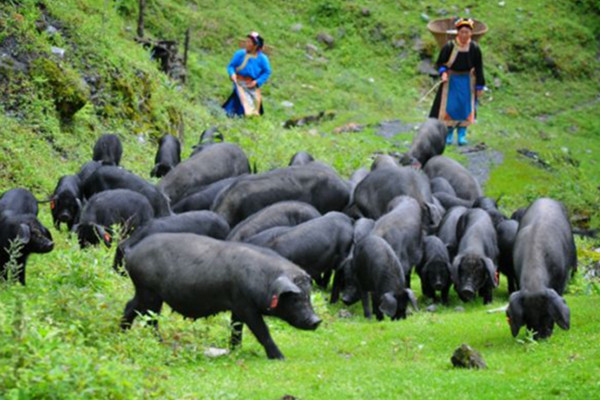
(249, 69)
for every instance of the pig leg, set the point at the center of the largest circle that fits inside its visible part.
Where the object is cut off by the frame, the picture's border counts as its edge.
(375, 302)
(236, 331)
(257, 326)
(364, 298)
(445, 295)
(486, 293)
(142, 303)
(336, 287)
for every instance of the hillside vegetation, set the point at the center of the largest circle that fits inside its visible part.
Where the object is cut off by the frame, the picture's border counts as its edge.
(71, 70)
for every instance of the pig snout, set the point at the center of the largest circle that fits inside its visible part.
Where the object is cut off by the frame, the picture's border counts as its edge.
(467, 293)
(438, 285)
(64, 217)
(313, 323)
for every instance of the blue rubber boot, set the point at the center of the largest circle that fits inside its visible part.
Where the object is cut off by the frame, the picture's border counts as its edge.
(449, 136)
(462, 136)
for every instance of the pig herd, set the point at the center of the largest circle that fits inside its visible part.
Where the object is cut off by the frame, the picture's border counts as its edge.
(212, 236)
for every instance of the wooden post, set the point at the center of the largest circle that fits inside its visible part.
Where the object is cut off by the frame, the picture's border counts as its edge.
(140, 27)
(186, 46)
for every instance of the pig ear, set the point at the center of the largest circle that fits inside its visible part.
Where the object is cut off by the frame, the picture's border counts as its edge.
(514, 312)
(388, 304)
(491, 270)
(412, 298)
(282, 285)
(558, 309)
(24, 233)
(454, 269)
(103, 235)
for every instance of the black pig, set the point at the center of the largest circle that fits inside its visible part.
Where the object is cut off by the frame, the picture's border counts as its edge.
(200, 276)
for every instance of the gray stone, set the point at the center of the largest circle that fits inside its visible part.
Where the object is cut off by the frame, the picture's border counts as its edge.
(326, 39)
(297, 27)
(426, 68)
(399, 44)
(459, 309)
(287, 104)
(497, 83)
(432, 308)
(425, 17)
(214, 352)
(365, 12)
(58, 51)
(343, 313)
(389, 129)
(467, 357)
(51, 30)
(312, 49)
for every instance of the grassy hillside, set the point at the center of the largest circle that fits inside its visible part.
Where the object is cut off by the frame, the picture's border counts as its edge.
(59, 336)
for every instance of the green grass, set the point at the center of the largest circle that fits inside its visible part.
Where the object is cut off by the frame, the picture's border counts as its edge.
(59, 336)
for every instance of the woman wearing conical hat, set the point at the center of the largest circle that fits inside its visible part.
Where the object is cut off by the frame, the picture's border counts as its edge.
(249, 69)
(461, 69)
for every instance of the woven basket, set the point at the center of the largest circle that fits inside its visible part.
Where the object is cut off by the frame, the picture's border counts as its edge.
(443, 30)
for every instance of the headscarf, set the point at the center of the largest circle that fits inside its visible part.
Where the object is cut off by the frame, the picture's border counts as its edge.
(257, 39)
(461, 22)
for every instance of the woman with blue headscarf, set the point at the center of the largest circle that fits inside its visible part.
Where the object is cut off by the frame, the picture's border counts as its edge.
(249, 69)
(461, 69)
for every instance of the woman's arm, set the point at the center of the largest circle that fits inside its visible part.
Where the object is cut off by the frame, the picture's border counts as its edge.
(478, 64)
(265, 71)
(235, 62)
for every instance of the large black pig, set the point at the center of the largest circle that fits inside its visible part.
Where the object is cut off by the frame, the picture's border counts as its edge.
(108, 150)
(429, 141)
(167, 156)
(118, 206)
(65, 203)
(402, 227)
(27, 229)
(545, 257)
(474, 267)
(200, 276)
(375, 269)
(434, 269)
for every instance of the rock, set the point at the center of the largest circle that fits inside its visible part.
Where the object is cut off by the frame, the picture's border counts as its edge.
(214, 352)
(426, 68)
(425, 17)
(467, 357)
(287, 104)
(343, 313)
(58, 51)
(51, 30)
(389, 129)
(312, 49)
(326, 39)
(365, 12)
(297, 27)
(349, 127)
(442, 11)
(432, 308)
(459, 309)
(399, 44)
(497, 83)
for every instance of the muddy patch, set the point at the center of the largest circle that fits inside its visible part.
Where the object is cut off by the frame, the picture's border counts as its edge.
(481, 160)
